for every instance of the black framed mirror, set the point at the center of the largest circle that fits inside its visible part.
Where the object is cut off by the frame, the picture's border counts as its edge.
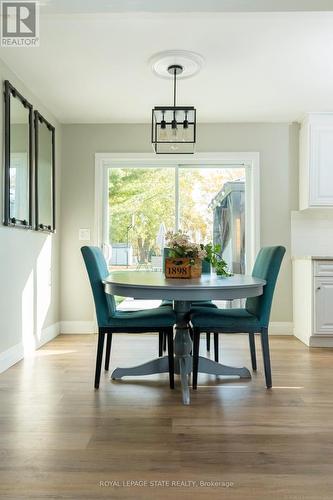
(18, 159)
(44, 174)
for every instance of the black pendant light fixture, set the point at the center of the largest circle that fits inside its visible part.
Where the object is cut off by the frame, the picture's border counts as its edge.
(173, 128)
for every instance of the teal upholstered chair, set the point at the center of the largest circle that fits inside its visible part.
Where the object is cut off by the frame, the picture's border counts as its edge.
(197, 303)
(112, 321)
(254, 318)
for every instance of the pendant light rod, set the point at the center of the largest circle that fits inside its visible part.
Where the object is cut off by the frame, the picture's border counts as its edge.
(175, 69)
(174, 125)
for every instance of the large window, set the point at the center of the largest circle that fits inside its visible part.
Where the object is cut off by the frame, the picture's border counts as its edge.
(143, 203)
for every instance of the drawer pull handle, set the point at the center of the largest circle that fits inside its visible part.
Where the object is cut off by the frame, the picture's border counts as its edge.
(318, 287)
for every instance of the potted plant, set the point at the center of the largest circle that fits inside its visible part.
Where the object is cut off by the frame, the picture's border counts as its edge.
(185, 257)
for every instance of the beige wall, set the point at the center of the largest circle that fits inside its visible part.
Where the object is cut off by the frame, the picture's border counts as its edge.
(278, 147)
(29, 263)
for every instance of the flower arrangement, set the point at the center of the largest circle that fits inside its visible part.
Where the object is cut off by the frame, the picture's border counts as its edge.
(180, 246)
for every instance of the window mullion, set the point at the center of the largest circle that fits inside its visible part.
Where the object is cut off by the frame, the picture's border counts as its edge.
(177, 197)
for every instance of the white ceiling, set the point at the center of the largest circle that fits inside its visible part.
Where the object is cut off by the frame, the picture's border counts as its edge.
(97, 6)
(259, 66)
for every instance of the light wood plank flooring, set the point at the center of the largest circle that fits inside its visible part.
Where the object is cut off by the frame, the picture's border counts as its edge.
(62, 439)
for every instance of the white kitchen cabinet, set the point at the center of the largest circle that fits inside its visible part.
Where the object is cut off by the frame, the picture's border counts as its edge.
(323, 305)
(316, 161)
(313, 301)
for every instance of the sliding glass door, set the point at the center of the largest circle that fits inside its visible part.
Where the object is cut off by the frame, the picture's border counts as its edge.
(144, 202)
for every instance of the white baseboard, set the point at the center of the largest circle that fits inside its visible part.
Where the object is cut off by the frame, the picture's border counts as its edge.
(281, 328)
(320, 341)
(73, 327)
(49, 333)
(11, 356)
(16, 353)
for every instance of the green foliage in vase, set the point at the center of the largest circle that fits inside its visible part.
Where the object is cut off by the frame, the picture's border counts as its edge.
(213, 256)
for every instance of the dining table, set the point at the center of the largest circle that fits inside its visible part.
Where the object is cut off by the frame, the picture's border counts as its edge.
(183, 292)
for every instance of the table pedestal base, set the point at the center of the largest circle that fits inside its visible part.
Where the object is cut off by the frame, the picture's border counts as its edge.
(183, 357)
(158, 365)
(182, 368)
(211, 367)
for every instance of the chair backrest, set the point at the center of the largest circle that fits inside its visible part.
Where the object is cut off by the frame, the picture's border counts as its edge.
(97, 269)
(266, 267)
(205, 264)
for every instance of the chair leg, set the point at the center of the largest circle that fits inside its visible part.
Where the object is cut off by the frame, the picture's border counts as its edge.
(265, 353)
(164, 341)
(253, 351)
(160, 343)
(216, 347)
(208, 341)
(99, 357)
(108, 350)
(196, 344)
(171, 359)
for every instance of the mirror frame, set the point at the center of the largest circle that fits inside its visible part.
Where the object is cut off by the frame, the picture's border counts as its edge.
(39, 119)
(11, 91)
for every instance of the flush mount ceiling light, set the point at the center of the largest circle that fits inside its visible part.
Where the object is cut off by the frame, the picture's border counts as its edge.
(173, 128)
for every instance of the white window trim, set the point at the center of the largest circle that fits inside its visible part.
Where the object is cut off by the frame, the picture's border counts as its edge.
(249, 160)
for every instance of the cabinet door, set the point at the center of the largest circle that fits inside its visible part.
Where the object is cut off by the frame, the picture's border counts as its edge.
(323, 303)
(321, 165)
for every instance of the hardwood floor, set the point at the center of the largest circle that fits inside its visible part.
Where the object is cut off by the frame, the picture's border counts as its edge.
(62, 439)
